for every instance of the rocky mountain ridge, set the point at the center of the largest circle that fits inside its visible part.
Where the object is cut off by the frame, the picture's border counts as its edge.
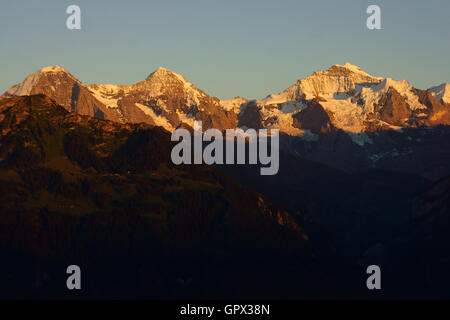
(344, 97)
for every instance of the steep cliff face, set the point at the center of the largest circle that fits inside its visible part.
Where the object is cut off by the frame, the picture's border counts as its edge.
(251, 117)
(436, 112)
(64, 89)
(392, 108)
(313, 118)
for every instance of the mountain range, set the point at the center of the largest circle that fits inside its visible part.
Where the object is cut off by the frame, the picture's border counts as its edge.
(86, 176)
(344, 97)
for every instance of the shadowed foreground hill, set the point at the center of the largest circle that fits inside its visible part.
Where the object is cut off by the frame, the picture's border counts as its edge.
(105, 196)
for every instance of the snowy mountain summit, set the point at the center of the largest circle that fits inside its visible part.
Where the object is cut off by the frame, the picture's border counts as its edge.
(346, 97)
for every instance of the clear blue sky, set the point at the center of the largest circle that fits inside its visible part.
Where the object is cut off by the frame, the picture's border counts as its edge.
(227, 48)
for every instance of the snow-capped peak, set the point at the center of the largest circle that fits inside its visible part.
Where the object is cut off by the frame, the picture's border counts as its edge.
(355, 69)
(351, 66)
(337, 79)
(162, 72)
(31, 80)
(163, 79)
(346, 92)
(53, 69)
(337, 68)
(441, 92)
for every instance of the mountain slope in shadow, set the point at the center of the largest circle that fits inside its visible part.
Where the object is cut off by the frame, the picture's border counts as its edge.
(105, 196)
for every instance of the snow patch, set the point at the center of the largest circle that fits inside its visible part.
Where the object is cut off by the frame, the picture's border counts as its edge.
(159, 120)
(54, 69)
(108, 94)
(233, 104)
(360, 138)
(188, 119)
(441, 92)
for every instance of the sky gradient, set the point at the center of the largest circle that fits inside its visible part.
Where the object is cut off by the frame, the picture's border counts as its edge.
(227, 48)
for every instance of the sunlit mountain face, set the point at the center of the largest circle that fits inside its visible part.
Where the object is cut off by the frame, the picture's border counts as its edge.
(86, 175)
(343, 97)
